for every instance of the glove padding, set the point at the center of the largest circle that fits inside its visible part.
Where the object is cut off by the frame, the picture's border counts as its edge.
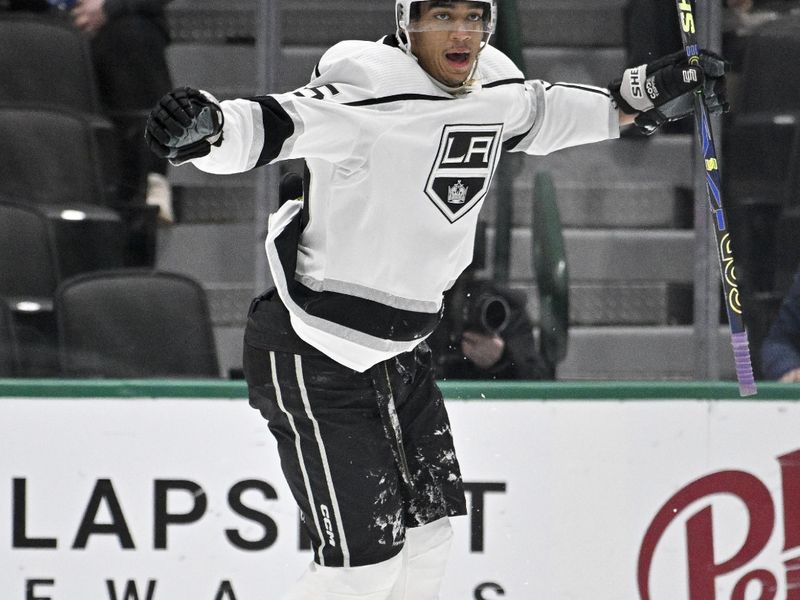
(183, 125)
(663, 90)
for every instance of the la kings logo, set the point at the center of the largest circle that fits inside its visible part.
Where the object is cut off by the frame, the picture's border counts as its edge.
(463, 169)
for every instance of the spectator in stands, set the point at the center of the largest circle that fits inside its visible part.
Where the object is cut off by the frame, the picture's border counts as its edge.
(128, 40)
(485, 333)
(780, 353)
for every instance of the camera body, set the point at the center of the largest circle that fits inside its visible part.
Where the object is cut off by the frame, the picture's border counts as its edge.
(483, 312)
(486, 313)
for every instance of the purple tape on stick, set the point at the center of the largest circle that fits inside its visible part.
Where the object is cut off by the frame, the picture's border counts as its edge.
(744, 368)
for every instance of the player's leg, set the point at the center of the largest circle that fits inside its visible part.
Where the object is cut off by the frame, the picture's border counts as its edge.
(437, 490)
(369, 582)
(338, 464)
(425, 555)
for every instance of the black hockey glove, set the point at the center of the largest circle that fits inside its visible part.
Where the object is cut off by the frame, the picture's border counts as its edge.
(663, 90)
(183, 125)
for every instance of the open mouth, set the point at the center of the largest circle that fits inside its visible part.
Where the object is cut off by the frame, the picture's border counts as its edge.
(458, 59)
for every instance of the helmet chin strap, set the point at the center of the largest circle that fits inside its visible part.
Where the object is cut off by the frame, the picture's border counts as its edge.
(466, 86)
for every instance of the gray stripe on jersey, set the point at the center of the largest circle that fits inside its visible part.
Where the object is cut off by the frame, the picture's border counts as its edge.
(537, 87)
(300, 459)
(352, 289)
(287, 149)
(257, 134)
(298, 362)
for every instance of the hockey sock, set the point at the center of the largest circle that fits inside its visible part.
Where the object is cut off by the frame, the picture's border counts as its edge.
(369, 582)
(425, 557)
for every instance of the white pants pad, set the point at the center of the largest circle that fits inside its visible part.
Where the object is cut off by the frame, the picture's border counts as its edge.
(426, 551)
(370, 582)
(414, 574)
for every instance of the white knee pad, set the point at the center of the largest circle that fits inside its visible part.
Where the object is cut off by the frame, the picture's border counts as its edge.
(414, 574)
(370, 582)
(425, 555)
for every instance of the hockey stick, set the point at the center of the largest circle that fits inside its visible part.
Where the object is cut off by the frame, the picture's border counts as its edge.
(741, 346)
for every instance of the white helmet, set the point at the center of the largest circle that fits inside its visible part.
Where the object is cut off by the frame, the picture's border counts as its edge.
(403, 18)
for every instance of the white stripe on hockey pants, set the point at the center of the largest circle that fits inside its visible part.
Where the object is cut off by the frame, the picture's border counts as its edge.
(414, 574)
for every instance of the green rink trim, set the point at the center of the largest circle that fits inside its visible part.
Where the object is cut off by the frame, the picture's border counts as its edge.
(453, 390)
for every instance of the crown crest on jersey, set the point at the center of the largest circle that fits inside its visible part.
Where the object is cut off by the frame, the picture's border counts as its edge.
(457, 193)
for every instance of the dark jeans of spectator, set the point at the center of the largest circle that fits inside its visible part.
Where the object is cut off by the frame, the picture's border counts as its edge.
(129, 55)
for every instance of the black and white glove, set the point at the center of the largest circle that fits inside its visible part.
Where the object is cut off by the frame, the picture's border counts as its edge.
(183, 125)
(663, 90)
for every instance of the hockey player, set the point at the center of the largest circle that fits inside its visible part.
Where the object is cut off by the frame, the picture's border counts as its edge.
(401, 138)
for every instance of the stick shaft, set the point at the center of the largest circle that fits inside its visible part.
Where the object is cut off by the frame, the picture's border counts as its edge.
(711, 164)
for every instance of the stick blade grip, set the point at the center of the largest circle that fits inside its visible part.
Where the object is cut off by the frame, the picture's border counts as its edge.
(744, 366)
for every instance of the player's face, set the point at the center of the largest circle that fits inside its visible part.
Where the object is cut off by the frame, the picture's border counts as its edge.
(446, 39)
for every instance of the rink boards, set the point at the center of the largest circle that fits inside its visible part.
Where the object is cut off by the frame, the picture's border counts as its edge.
(168, 490)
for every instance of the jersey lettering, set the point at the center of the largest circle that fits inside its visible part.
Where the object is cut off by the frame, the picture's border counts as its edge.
(481, 146)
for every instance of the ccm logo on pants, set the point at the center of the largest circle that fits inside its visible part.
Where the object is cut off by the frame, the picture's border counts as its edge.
(326, 521)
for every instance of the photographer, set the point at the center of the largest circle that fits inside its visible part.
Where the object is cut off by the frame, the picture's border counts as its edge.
(485, 334)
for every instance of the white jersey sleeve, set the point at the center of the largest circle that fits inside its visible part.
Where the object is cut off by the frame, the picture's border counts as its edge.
(542, 117)
(339, 111)
(242, 140)
(567, 115)
(326, 119)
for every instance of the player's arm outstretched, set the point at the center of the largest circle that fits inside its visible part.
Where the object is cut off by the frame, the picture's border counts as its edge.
(184, 125)
(653, 94)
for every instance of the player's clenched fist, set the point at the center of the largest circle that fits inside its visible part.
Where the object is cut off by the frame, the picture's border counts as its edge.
(664, 90)
(184, 124)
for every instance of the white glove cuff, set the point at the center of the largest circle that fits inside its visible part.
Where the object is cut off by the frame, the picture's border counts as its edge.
(632, 89)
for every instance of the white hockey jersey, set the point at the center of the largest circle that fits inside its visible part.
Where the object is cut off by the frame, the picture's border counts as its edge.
(399, 168)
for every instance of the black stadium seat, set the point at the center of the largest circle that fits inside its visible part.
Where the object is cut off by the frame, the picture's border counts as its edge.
(51, 157)
(135, 323)
(39, 246)
(44, 60)
(28, 277)
(28, 265)
(42, 244)
(9, 354)
(86, 237)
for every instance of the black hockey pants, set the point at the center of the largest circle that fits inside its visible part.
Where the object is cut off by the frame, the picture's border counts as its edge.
(338, 431)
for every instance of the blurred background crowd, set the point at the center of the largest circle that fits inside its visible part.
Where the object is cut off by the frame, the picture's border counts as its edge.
(113, 264)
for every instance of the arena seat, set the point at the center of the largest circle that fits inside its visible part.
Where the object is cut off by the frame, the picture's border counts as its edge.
(9, 354)
(44, 244)
(46, 61)
(52, 157)
(28, 265)
(134, 323)
(28, 276)
(39, 246)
